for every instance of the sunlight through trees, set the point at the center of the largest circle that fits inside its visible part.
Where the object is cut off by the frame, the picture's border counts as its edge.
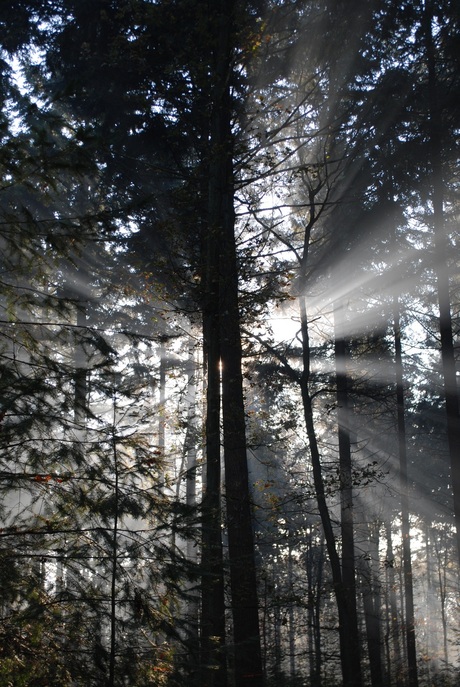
(229, 316)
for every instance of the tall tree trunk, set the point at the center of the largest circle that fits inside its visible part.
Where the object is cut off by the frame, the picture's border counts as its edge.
(349, 651)
(314, 569)
(213, 660)
(346, 483)
(371, 601)
(348, 629)
(405, 523)
(221, 230)
(190, 444)
(291, 627)
(442, 272)
(441, 567)
(395, 661)
(189, 464)
(277, 651)
(111, 678)
(248, 665)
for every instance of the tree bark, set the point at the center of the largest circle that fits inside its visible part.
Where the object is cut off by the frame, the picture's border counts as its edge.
(349, 651)
(314, 569)
(191, 442)
(114, 553)
(212, 660)
(213, 634)
(225, 328)
(442, 272)
(405, 523)
(346, 487)
(395, 665)
(371, 601)
(248, 665)
(348, 630)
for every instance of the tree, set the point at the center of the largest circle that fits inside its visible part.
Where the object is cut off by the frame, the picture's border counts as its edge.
(78, 478)
(435, 146)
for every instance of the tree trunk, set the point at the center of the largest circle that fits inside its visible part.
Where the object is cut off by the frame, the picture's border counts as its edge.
(189, 462)
(441, 567)
(114, 553)
(190, 444)
(292, 624)
(442, 272)
(371, 602)
(248, 665)
(349, 649)
(212, 659)
(225, 328)
(405, 523)
(346, 486)
(394, 661)
(314, 569)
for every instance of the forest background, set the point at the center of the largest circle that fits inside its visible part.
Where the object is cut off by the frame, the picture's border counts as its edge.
(229, 417)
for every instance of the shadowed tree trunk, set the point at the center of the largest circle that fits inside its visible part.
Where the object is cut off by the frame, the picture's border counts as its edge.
(370, 583)
(111, 679)
(213, 660)
(405, 523)
(348, 631)
(394, 657)
(292, 623)
(224, 347)
(346, 483)
(213, 663)
(314, 569)
(189, 466)
(246, 635)
(442, 271)
(348, 628)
